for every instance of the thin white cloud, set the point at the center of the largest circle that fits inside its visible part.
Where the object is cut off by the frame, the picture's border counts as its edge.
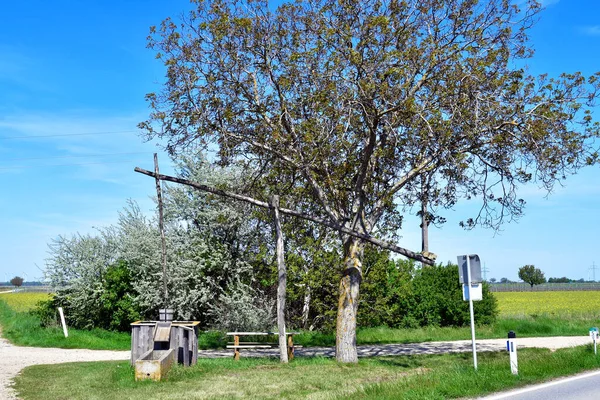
(590, 30)
(21, 69)
(546, 3)
(66, 134)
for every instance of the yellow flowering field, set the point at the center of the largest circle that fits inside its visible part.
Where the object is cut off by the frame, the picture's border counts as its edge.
(23, 301)
(576, 303)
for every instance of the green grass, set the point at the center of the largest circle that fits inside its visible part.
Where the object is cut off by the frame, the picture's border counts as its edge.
(23, 329)
(524, 326)
(406, 377)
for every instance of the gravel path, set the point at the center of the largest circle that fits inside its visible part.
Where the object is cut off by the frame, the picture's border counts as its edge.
(13, 358)
(458, 346)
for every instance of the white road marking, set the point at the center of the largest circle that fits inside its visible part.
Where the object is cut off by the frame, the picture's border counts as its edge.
(541, 386)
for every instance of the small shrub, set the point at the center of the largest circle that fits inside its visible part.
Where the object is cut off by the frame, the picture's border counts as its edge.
(212, 340)
(46, 311)
(438, 299)
(117, 299)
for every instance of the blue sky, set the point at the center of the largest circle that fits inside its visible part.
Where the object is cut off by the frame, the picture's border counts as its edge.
(73, 76)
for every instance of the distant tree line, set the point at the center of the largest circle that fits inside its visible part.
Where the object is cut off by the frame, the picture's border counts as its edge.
(564, 279)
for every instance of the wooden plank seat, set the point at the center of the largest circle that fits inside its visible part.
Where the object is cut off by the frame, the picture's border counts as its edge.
(237, 345)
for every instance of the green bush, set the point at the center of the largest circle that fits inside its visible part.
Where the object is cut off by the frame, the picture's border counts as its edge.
(386, 297)
(437, 297)
(112, 305)
(46, 311)
(401, 295)
(118, 308)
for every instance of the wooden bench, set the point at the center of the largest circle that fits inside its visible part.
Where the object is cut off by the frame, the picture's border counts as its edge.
(237, 345)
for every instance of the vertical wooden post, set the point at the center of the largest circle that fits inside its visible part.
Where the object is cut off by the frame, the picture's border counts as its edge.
(162, 232)
(186, 347)
(62, 321)
(290, 347)
(236, 350)
(282, 279)
(424, 219)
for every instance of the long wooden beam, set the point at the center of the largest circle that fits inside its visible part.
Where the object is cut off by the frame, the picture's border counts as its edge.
(368, 238)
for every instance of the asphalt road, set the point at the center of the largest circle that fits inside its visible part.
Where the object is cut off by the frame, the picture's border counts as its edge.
(577, 387)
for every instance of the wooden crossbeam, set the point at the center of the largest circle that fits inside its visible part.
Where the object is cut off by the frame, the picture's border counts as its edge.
(368, 238)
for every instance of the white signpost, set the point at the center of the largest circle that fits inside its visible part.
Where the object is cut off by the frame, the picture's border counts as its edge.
(511, 346)
(469, 271)
(594, 336)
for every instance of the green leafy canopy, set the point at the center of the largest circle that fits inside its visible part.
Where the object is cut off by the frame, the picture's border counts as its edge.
(344, 106)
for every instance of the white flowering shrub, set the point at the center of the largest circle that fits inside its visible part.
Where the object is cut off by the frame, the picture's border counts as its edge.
(209, 241)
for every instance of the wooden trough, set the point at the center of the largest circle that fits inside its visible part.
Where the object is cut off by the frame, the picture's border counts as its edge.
(179, 336)
(154, 364)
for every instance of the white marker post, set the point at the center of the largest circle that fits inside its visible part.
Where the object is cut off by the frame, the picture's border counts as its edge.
(594, 336)
(62, 321)
(472, 314)
(511, 346)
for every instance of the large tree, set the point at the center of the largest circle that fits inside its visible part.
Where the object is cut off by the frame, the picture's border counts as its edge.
(531, 275)
(17, 281)
(347, 107)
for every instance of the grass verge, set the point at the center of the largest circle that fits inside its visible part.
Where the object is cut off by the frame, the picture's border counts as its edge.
(406, 377)
(23, 329)
(526, 326)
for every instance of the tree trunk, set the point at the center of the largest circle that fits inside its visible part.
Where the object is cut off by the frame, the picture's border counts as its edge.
(424, 220)
(424, 227)
(306, 305)
(282, 282)
(345, 347)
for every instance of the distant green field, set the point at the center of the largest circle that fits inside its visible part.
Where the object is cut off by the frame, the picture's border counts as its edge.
(558, 304)
(23, 301)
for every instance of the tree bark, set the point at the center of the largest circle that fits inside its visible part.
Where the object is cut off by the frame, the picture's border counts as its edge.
(424, 227)
(424, 220)
(307, 297)
(282, 281)
(345, 347)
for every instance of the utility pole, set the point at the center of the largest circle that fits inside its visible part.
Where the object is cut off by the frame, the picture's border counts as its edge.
(485, 271)
(593, 268)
